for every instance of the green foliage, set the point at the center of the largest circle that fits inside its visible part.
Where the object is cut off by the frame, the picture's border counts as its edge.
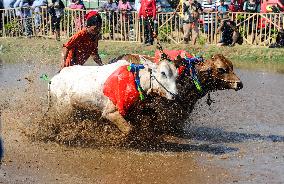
(164, 31)
(242, 30)
(240, 17)
(201, 40)
(274, 33)
(12, 27)
(106, 29)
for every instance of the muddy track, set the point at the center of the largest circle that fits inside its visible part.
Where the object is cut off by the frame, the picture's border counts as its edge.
(239, 138)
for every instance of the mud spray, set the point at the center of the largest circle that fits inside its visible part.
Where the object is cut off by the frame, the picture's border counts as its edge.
(26, 98)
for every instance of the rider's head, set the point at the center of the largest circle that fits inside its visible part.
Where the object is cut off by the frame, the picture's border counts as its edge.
(94, 22)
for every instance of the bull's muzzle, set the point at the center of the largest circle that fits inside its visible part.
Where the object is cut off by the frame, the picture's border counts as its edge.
(172, 96)
(239, 86)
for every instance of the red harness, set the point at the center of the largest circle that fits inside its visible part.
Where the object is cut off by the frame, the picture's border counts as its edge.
(173, 54)
(121, 89)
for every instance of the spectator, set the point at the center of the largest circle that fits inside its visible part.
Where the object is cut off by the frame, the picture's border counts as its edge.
(16, 5)
(251, 6)
(209, 18)
(125, 17)
(37, 4)
(25, 14)
(56, 10)
(124, 5)
(147, 14)
(230, 33)
(191, 11)
(110, 7)
(77, 4)
(222, 9)
(137, 5)
(236, 6)
(84, 44)
(78, 15)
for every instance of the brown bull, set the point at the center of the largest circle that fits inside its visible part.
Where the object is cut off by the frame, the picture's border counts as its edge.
(163, 115)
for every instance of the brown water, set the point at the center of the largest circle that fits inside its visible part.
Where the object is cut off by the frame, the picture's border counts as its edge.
(239, 138)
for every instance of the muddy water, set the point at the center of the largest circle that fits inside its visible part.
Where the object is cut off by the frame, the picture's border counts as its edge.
(239, 138)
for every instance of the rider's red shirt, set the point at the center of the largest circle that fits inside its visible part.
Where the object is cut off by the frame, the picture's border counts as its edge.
(81, 46)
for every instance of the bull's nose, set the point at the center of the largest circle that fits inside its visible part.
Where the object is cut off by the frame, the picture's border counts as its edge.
(173, 96)
(239, 86)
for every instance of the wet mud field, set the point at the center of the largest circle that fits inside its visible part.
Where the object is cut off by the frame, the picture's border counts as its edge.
(238, 139)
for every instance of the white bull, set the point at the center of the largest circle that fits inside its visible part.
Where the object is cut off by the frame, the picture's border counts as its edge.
(83, 86)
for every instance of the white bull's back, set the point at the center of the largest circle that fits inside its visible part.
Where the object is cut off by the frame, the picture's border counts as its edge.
(82, 84)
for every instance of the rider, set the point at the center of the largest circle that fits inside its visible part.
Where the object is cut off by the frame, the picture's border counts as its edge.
(84, 44)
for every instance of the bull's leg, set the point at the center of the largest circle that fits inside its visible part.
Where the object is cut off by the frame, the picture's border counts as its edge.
(111, 113)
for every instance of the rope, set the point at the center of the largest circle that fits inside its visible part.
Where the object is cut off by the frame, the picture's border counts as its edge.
(135, 68)
(159, 46)
(190, 65)
(174, 95)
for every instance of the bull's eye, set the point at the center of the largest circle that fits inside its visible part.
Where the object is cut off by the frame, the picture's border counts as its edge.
(221, 71)
(164, 74)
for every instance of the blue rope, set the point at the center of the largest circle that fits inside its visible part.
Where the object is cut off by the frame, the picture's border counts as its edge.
(190, 67)
(135, 68)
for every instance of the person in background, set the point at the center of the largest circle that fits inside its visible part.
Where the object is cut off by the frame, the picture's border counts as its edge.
(251, 6)
(222, 9)
(137, 5)
(56, 10)
(236, 6)
(77, 4)
(78, 15)
(84, 44)
(36, 6)
(191, 11)
(125, 17)
(110, 7)
(147, 14)
(209, 6)
(25, 14)
(124, 5)
(230, 33)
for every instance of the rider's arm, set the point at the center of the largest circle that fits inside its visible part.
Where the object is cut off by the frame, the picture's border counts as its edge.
(97, 58)
(64, 55)
(74, 40)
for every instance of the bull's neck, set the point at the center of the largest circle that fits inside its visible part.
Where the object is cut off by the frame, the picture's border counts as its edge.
(145, 79)
(203, 77)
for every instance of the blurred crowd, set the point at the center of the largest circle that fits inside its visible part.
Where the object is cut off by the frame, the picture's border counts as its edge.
(208, 16)
(193, 13)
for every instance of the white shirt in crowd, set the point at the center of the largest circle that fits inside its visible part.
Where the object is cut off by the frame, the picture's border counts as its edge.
(208, 7)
